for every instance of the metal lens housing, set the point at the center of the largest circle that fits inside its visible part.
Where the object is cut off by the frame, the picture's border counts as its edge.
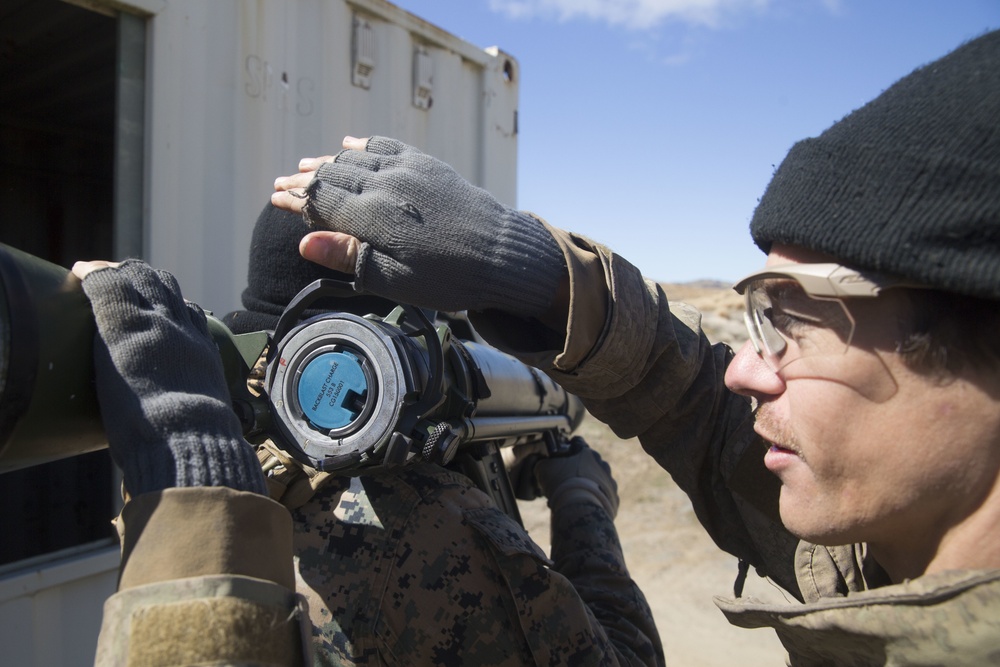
(338, 385)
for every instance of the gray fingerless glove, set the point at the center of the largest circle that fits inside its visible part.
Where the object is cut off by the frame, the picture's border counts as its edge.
(161, 388)
(429, 237)
(583, 477)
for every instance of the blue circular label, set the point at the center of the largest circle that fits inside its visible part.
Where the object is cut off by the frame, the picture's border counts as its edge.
(332, 390)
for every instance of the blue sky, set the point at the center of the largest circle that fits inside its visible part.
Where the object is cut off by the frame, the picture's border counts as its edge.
(653, 126)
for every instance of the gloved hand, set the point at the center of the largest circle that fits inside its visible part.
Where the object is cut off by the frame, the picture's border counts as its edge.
(583, 477)
(160, 385)
(578, 478)
(520, 463)
(429, 237)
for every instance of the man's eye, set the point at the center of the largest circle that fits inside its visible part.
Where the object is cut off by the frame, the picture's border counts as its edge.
(785, 322)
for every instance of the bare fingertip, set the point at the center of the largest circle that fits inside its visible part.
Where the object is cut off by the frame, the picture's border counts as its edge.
(312, 248)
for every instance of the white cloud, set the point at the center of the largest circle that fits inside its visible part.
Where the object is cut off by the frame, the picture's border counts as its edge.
(632, 14)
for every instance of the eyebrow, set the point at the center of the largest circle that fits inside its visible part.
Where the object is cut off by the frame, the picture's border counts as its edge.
(776, 286)
(782, 292)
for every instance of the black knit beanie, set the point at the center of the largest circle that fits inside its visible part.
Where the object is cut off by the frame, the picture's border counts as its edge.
(278, 272)
(907, 185)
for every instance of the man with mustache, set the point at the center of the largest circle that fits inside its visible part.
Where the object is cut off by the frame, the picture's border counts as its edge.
(850, 451)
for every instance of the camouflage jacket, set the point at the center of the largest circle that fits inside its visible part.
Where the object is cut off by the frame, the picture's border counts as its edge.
(419, 567)
(642, 365)
(413, 567)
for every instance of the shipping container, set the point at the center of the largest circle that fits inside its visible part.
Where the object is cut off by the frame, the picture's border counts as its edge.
(155, 129)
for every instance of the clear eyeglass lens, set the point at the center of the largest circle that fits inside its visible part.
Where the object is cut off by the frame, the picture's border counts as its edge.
(786, 324)
(759, 308)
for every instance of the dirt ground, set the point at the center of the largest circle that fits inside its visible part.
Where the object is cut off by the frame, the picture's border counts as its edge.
(668, 554)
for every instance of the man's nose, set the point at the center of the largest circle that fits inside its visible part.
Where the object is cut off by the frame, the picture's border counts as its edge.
(749, 375)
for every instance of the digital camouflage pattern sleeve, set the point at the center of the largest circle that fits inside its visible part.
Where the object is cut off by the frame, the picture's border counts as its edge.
(418, 567)
(415, 567)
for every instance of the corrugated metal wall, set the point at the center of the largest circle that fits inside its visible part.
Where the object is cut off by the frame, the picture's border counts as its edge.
(242, 89)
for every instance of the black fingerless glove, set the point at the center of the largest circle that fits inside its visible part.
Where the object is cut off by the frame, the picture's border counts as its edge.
(161, 388)
(429, 237)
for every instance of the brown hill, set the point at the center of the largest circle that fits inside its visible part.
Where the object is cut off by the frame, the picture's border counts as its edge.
(720, 306)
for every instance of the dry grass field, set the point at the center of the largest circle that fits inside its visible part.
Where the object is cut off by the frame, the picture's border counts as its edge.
(673, 560)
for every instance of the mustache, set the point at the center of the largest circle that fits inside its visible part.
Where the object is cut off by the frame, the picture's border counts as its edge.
(773, 430)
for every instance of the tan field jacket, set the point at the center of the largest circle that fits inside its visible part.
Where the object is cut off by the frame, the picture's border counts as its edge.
(642, 365)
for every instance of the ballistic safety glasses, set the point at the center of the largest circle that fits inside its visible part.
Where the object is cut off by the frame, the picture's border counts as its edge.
(796, 311)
